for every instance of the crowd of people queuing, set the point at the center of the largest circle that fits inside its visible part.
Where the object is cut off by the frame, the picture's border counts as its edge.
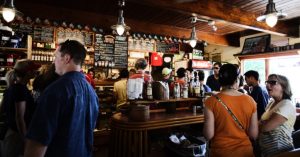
(58, 117)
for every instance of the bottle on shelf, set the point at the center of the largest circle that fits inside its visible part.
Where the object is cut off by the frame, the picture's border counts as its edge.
(10, 60)
(197, 86)
(185, 88)
(149, 90)
(191, 85)
(177, 90)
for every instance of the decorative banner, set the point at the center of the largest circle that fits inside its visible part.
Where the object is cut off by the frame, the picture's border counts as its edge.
(200, 64)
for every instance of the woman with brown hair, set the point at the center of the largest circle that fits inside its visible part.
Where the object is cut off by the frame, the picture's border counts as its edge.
(230, 118)
(276, 124)
(18, 106)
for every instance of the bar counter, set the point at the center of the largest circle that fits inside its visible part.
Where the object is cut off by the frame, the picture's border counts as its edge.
(130, 139)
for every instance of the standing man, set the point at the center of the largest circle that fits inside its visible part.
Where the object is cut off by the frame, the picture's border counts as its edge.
(213, 80)
(258, 93)
(67, 111)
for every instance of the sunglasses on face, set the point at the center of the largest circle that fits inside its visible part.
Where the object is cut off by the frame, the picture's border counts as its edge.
(216, 68)
(271, 82)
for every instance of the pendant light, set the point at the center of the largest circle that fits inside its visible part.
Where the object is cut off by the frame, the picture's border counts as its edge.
(120, 27)
(8, 11)
(193, 39)
(271, 15)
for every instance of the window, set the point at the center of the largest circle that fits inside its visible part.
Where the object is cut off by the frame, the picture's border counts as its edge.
(286, 66)
(289, 67)
(257, 65)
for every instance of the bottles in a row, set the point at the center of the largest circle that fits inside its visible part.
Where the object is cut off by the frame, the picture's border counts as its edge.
(43, 45)
(8, 59)
(104, 64)
(46, 56)
(195, 87)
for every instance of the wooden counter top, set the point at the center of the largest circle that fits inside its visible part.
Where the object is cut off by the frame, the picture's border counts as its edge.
(158, 120)
(130, 139)
(169, 100)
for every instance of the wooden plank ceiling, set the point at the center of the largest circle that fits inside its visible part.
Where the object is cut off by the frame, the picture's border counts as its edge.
(234, 18)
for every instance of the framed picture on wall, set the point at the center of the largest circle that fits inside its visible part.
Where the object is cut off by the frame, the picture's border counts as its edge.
(256, 44)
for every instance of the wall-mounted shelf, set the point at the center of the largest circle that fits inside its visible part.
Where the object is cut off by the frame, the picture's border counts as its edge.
(268, 54)
(10, 49)
(43, 49)
(141, 51)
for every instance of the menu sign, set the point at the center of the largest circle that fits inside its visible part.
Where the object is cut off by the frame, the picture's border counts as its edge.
(167, 47)
(43, 34)
(200, 64)
(104, 50)
(121, 52)
(23, 28)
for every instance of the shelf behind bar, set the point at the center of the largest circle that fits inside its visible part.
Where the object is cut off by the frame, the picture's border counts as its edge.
(268, 54)
(13, 49)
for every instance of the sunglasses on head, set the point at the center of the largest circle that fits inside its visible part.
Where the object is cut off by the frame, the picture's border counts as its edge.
(271, 82)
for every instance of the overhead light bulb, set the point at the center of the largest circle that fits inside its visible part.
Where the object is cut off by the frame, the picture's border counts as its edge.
(8, 14)
(271, 16)
(193, 43)
(193, 40)
(271, 19)
(120, 29)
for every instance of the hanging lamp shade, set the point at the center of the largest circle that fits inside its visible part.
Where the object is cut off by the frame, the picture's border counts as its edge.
(193, 40)
(8, 10)
(120, 27)
(271, 15)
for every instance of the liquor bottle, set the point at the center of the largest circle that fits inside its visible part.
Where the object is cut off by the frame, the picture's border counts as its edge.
(10, 60)
(197, 86)
(191, 85)
(177, 90)
(149, 90)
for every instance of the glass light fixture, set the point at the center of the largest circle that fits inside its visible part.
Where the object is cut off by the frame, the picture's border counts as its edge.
(271, 20)
(120, 27)
(271, 16)
(9, 12)
(193, 40)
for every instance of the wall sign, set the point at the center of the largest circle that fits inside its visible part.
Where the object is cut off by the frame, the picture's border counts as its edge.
(199, 64)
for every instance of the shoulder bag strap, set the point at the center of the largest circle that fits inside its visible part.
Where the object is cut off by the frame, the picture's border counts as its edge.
(230, 112)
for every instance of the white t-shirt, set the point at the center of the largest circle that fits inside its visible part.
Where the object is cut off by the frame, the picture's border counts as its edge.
(284, 108)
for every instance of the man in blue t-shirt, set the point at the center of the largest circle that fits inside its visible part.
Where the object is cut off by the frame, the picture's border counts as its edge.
(66, 115)
(258, 93)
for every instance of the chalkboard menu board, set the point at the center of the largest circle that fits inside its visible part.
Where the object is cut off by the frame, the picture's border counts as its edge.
(167, 47)
(104, 50)
(23, 28)
(121, 52)
(43, 34)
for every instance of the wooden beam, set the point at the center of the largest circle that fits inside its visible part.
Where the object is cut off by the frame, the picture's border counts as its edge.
(105, 21)
(219, 11)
